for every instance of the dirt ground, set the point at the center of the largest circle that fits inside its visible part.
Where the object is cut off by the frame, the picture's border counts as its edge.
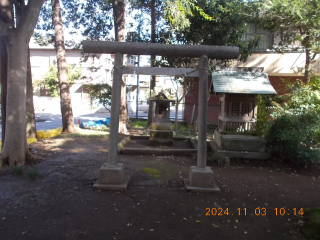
(60, 202)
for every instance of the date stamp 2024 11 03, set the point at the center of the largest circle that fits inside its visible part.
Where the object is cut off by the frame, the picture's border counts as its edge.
(254, 212)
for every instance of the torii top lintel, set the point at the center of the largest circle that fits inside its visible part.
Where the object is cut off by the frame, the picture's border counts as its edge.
(170, 50)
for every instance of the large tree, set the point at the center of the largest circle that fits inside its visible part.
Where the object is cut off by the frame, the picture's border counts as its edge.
(65, 97)
(295, 21)
(119, 18)
(97, 17)
(16, 38)
(31, 123)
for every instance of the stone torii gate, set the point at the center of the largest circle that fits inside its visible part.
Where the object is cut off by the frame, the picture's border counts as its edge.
(111, 175)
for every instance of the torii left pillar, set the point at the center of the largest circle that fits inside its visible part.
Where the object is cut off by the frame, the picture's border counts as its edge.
(111, 174)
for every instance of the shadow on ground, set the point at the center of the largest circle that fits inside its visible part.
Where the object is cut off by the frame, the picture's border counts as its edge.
(60, 203)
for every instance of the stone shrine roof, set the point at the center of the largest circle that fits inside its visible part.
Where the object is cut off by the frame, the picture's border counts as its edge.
(241, 82)
(161, 96)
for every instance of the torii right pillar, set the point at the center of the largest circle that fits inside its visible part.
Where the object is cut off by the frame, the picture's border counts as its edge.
(200, 176)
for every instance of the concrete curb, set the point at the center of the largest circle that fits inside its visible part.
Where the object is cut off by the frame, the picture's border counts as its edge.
(154, 151)
(123, 143)
(158, 151)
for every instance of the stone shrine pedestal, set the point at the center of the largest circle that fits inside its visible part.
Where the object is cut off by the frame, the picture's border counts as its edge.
(161, 133)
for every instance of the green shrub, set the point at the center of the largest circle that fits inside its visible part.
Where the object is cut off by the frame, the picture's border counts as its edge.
(294, 132)
(102, 93)
(312, 231)
(296, 137)
(262, 115)
(17, 170)
(32, 173)
(51, 82)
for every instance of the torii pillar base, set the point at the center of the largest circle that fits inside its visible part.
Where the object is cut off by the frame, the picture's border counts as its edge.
(201, 180)
(111, 177)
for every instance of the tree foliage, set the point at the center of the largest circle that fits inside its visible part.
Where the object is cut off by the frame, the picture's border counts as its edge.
(177, 12)
(51, 82)
(294, 132)
(295, 21)
(102, 93)
(227, 25)
(93, 17)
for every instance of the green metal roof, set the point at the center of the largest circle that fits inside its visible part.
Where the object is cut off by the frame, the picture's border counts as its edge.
(241, 82)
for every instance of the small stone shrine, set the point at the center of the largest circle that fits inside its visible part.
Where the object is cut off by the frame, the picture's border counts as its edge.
(161, 133)
(238, 90)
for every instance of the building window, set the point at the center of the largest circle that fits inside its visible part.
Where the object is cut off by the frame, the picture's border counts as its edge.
(131, 60)
(245, 109)
(240, 109)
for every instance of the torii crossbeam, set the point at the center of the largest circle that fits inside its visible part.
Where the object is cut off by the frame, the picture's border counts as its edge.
(111, 175)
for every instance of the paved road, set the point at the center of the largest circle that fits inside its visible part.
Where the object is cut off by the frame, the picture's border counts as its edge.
(47, 120)
(53, 120)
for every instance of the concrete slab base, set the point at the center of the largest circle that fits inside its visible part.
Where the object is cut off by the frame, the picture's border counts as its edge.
(248, 155)
(111, 177)
(240, 143)
(114, 187)
(239, 154)
(190, 188)
(201, 180)
(161, 137)
(158, 151)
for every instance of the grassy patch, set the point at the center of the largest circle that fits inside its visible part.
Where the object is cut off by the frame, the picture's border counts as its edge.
(186, 131)
(182, 127)
(311, 231)
(139, 124)
(86, 135)
(153, 172)
(218, 159)
(17, 171)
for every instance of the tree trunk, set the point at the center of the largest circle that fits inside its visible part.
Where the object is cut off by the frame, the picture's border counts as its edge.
(176, 116)
(65, 98)
(6, 15)
(153, 58)
(15, 144)
(119, 10)
(31, 123)
(307, 72)
(4, 72)
(15, 151)
(119, 18)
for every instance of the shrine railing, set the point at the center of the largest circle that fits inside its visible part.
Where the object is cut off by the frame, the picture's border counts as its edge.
(240, 126)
